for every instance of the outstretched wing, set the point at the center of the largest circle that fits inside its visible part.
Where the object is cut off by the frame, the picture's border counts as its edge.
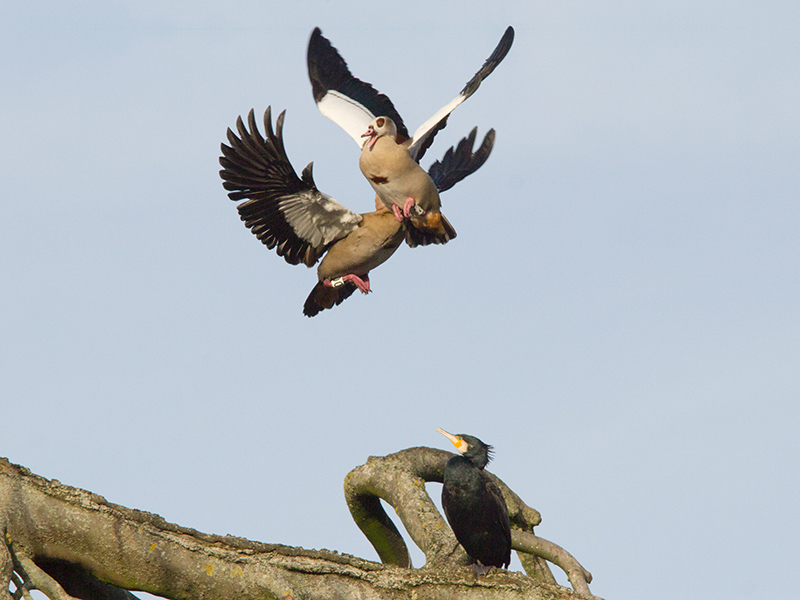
(457, 163)
(460, 161)
(281, 209)
(349, 102)
(423, 136)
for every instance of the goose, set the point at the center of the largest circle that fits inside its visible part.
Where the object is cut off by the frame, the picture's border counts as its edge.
(389, 155)
(290, 214)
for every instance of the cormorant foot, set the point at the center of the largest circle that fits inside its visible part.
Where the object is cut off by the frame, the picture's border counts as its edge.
(479, 569)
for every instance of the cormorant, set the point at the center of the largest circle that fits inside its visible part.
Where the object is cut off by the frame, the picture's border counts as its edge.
(474, 505)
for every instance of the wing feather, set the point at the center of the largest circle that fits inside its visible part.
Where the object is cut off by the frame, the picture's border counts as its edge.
(460, 161)
(498, 515)
(424, 134)
(282, 210)
(347, 101)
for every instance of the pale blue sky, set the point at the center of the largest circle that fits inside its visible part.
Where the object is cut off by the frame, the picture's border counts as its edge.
(619, 315)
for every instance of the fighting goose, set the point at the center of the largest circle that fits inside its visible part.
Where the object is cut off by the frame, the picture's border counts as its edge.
(290, 214)
(389, 156)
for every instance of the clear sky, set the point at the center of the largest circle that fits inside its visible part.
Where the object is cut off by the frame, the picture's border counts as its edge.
(619, 315)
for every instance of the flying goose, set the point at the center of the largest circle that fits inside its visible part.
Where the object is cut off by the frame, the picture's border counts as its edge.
(389, 156)
(290, 214)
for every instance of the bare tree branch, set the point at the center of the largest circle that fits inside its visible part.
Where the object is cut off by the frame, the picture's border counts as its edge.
(400, 478)
(536, 567)
(51, 524)
(7, 576)
(524, 541)
(37, 577)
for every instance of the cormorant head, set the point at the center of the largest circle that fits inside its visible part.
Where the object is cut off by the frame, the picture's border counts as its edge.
(470, 447)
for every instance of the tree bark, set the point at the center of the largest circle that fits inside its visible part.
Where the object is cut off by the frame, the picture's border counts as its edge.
(400, 478)
(70, 543)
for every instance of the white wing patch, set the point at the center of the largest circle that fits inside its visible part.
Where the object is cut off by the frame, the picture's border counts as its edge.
(348, 114)
(421, 133)
(318, 218)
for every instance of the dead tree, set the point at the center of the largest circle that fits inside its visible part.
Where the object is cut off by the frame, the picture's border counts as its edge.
(69, 543)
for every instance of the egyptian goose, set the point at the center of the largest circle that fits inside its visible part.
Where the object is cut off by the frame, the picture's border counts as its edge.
(389, 156)
(290, 214)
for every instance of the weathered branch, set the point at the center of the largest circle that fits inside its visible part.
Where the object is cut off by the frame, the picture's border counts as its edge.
(78, 532)
(400, 478)
(523, 541)
(7, 576)
(36, 577)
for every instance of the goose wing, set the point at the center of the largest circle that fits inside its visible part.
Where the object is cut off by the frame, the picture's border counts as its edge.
(284, 211)
(347, 101)
(424, 134)
(460, 161)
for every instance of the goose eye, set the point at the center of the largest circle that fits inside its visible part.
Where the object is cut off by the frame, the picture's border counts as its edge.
(380, 122)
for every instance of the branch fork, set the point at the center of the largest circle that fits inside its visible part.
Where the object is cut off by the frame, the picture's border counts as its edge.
(399, 479)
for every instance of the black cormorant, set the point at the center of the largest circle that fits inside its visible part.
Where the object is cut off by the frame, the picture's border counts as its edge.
(474, 505)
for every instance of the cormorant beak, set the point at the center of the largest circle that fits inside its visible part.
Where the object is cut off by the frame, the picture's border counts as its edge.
(460, 444)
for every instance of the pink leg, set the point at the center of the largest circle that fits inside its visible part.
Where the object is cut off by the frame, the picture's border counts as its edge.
(361, 284)
(398, 214)
(407, 208)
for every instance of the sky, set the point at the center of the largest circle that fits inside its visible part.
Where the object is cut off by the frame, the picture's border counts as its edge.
(619, 315)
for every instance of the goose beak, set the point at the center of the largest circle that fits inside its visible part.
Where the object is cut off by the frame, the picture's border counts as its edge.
(372, 135)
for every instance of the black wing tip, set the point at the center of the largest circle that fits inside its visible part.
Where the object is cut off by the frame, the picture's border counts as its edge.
(315, 40)
(495, 58)
(320, 50)
(460, 161)
(504, 45)
(484, 150)
(308, 175)
(248, 153)
(327, 70)
(323, 297)
(417, 237)
(257, 173)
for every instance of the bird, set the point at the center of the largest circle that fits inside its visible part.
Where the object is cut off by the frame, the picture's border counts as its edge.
(474, 505)
(390, 156)
(290, 214)
(401, 183)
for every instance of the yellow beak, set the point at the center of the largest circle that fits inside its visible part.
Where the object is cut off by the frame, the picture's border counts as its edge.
(460, 444)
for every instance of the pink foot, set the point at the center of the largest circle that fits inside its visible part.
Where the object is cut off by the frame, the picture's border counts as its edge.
(407, 208)
(361, 284)
(398, 214)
